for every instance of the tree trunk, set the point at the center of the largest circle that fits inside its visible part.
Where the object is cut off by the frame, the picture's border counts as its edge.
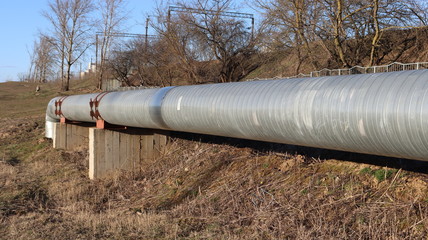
(376, 36)
(337, 32)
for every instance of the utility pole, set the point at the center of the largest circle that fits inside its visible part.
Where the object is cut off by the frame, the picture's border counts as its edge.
(96, 53)
(252, 29)
(147, 31)
(168, 20)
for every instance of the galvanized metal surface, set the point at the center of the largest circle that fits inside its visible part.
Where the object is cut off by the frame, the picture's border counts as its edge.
(51, 118)
(130, 107)
(77, 107)
(383, 114)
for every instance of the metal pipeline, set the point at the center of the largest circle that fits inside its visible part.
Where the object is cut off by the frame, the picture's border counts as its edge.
(51, 118)
(382, 114)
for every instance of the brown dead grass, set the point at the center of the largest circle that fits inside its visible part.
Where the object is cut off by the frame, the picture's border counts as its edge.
(202, 190)
(205, 191)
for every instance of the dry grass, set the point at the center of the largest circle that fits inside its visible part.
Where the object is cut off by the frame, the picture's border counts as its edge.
(203, 190)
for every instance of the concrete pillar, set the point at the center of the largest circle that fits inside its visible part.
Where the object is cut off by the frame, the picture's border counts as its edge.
(108, 149)
(60, 136)
(62, 131)
(147, 146)
(125, 149)
(69, 136)
(96, 152)
(160, 139)
(130, 157)
(56, 135)
(130, 149)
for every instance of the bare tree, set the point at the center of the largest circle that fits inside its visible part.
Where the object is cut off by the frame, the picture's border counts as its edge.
(204, 32)
(42, 60)
(155, 66)
(336, 25)
(351, 31)
(58, 18)
(218, 36)
(112, 16)
(121, 64)
(376, 35)
(393, 14)
(290, 22)
(176, 41)
(71, 25)
(29, 75)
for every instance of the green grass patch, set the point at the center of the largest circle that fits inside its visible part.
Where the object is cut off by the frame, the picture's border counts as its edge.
(379, 174)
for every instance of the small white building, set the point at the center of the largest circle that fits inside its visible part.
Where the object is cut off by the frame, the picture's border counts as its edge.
(92, 67)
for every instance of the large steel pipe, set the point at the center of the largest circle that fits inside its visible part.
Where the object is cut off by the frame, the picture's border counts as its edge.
(383, 114)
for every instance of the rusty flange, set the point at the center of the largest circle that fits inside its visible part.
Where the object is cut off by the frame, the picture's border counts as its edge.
(58, 105)
(93, 104)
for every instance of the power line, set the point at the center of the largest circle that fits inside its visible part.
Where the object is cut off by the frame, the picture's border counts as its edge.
(119, 34)
(212, 12)
(122, 35)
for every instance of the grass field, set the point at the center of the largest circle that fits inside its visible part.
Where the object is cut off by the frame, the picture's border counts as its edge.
(202, 188)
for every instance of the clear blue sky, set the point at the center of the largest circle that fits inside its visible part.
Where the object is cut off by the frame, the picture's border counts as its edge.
(21, 20)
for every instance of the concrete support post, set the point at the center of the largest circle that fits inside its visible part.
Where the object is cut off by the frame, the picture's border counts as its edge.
(56, 136)
(62, 132)
(111, 150)
(147, 146)
(69, 136)
(96, 152)
(160, 139)
(60, 136)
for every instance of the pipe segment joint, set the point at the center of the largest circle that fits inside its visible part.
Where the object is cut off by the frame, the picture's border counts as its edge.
(155, 107)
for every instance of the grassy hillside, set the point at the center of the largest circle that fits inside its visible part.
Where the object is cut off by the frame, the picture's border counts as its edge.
(202, 188)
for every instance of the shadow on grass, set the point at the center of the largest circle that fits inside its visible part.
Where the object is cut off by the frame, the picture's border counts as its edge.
(317, 153)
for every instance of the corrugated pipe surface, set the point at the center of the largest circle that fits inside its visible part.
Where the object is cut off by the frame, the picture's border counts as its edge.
(383, 114)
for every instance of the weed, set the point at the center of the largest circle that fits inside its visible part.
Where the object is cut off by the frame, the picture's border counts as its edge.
(366, 170)
(379, 174)
(382, 174)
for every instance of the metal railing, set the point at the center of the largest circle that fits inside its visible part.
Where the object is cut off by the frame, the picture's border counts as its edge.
(135, 88)
(114, 85)
(393, 67)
